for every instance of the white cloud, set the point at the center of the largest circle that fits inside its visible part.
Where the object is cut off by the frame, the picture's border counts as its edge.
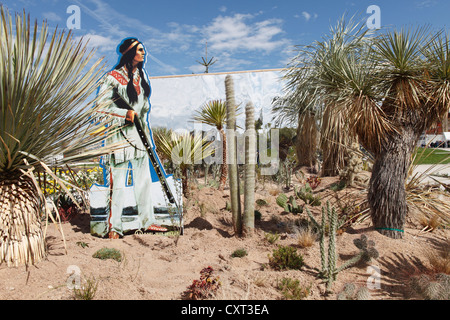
(426, 4)
(100, 42)
(308, 16)
(223, 9)
(52, 16)
(238, 32)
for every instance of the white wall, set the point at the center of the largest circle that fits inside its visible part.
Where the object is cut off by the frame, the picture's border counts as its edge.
(174, 100)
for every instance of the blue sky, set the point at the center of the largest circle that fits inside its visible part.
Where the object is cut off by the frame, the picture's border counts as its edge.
(241, 34)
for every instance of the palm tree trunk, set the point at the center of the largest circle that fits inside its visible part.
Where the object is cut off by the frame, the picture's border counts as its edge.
(224, 166)
(21, 237)
(387, 194)
(445, 123)
(306, 141)
(334, 141)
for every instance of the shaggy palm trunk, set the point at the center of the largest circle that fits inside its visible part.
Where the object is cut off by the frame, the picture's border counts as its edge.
(445, 123)
(306, 142)
(334, 141)
(224, 166)
(21, 237)
(250, 162)
(387, 193)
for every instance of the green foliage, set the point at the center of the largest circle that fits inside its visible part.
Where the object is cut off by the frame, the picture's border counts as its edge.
(82, 244)
(239, 253)
(286, 258)
(204, 288)
(306, 194)
(292, 290)
(272, 237)
(289, 204)
(261, 203)
(108, 253)
(86, 291)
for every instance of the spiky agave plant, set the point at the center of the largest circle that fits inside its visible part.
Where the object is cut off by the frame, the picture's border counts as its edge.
(42, 92)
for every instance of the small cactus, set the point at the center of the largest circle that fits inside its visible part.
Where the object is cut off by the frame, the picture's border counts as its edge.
(282, 201)
(432, 289)
(351, 292)
(329, 269)
(289, 204)
(306, 194)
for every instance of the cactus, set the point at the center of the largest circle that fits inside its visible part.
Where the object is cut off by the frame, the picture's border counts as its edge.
(429, 289)
(282, 201)
(232, 159)
(329, 269)
(250, 163)
(289, 204)
(351, 292)
(306, 194)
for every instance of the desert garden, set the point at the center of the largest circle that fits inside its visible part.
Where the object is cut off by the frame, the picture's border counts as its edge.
(346, 212)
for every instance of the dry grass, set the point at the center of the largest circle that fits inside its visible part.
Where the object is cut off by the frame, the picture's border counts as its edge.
(306, 238)
(440, 259)
(274, 192)
(429, 223)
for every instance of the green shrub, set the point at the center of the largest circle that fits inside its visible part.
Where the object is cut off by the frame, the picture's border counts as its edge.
(239, 253)
(87, 290)
(272, 237)
(291, 289)
(286, 258)
(108, 253)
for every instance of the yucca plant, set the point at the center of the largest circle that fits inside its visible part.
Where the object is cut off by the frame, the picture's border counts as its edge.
(389, 88)
(44, 113)
(184, 150)
(311, 86)
(214, 113)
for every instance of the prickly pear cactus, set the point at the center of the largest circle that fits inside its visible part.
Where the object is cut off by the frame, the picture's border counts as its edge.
(282, 201)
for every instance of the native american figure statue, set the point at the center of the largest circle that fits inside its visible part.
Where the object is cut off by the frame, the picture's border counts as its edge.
(135, 186)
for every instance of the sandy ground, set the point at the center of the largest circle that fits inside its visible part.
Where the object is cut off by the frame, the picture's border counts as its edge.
(157, 267)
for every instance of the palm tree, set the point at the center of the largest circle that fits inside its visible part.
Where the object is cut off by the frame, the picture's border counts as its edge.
(184, 150)
(44, 113)
(214, 113)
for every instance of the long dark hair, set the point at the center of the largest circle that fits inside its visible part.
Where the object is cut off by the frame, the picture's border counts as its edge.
(127, 61)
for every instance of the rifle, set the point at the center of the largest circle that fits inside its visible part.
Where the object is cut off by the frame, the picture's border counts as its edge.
(121, 103)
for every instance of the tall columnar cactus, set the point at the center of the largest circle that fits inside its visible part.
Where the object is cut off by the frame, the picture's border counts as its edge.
(232, 159)
(329, 269)
(250, 162)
